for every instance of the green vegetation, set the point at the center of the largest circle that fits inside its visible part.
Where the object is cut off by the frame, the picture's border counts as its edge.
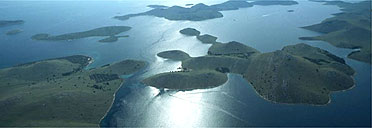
(14, 32)
(4, 23)
(109, 32)
(232, 48)
(59, 92)
(190, 32)
(296, 74)
(174, 55)
(200, 12)
(187, 80)
(207, 39)
(348, 29)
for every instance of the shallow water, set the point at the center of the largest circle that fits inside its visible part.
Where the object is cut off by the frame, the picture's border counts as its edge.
(266, 28)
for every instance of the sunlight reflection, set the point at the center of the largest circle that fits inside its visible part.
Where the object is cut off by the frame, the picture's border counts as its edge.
(184, 110)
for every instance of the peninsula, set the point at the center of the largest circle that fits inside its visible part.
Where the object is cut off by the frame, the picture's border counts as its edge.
(349, 29)
(110, 32)
(60, 92)
(296, 74)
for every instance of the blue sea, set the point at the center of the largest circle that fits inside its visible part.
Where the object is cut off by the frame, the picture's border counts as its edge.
(266, 28)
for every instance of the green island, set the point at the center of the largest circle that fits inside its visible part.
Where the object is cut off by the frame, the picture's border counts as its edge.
(176, 55)
(349, 29)
(187, 80)
(207, 39)
(4, 23)
(296, 74)
(200, 12)
(60, 92)
(190, 32)
(110, 32)
(14, 32)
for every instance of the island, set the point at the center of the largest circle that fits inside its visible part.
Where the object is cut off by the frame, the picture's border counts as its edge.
(60, 91)
(296, 74)
(187, 80)
(189, 4)
(176, 55)
(207, 39)
(157, 6)
(190, 32)
(274, 2)
(110, 32)
(349, 29)
(111, 39)
(14, 32)
(200, 12)
(290, 11)
(4, 23)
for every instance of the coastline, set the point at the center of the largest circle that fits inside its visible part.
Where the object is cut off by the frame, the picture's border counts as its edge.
(112, 103)
(116, 91)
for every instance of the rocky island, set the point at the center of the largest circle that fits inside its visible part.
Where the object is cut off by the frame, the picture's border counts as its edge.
(200, 12)
(60, 92)
(110, 32)
(4, 23)
(296, 74)
(349, 29)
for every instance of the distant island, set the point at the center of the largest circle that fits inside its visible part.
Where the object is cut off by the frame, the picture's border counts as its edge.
(349, 29)
(157, 6)
(110, 32)
(274, 2)
(4, 23)
(60, 92)
(14, 32)
(200, 12)
(296, 74)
